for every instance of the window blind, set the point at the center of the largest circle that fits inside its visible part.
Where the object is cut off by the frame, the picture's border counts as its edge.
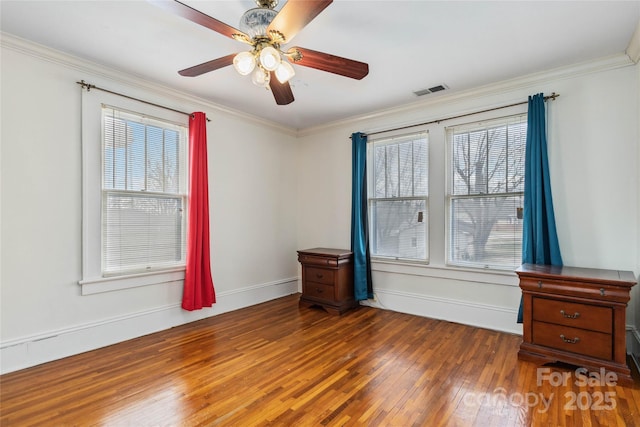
(398, 197)
(485, 193)
(144, 190)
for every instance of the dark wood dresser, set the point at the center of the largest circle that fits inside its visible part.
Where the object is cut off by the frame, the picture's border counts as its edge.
(327, 279)
(575, 315)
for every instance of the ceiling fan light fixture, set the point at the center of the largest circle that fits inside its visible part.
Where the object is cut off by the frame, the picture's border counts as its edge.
(284, 72)
(270, 58)
(244, 63)
(261, 77)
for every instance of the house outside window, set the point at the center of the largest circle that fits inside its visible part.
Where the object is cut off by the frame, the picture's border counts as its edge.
(398, 190)
(144, 193)
(485, 193)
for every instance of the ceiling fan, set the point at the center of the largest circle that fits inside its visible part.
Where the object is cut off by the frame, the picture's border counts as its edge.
(266, 30)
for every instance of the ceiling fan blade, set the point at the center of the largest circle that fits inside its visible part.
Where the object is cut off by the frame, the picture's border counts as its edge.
(295, 15)
(330, 63)
(198, 17)
(281, 91)
(205, 67)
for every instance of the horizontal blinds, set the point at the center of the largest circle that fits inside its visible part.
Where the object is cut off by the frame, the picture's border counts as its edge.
(486, 192)
(398, 193)
(144, 193)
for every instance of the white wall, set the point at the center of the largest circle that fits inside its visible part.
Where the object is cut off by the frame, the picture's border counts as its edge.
(594, 159)
(43, 316)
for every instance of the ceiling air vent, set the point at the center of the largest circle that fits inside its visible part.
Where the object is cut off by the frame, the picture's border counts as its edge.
(431, 90)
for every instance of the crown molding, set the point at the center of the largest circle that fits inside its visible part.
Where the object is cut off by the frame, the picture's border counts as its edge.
(631, 55)
(523, 82)
(82, 65)
(633, 50)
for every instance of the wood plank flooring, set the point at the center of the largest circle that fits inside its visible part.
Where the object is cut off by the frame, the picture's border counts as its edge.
(278, 364)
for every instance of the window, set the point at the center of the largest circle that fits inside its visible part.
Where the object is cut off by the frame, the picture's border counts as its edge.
(398, 197)
(144, 183)
(485, 193)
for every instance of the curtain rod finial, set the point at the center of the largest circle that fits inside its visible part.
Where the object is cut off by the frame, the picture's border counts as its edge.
(85, 85)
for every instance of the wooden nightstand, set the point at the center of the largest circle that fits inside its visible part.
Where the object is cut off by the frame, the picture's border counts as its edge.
(575, 315)
(327, 279)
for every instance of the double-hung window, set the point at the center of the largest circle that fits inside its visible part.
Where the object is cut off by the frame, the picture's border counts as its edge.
(144, 193)
(398, 190)
(485, 193)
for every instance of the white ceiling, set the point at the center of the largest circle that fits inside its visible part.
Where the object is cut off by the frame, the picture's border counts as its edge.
(409, 45)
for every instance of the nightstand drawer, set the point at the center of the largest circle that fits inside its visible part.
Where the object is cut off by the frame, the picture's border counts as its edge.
(594, 344)
(318, 291)
(318, 260)
(319, 275)
(585, 316)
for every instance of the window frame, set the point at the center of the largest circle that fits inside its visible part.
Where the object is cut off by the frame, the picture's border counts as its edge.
(182, 193)
(93, 280)
(449, 187)
(372, 199)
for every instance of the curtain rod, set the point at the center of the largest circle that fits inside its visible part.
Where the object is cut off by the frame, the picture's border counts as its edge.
(553, 96)
(88, 86)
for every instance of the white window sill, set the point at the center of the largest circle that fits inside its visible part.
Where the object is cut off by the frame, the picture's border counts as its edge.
(494, 277)
(116, 283)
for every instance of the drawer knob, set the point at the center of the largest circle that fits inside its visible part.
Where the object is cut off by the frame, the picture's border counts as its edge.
(569, 340)
(602, 291)
(318, 290)
(570, 316)
(319, 276)
(540, 284)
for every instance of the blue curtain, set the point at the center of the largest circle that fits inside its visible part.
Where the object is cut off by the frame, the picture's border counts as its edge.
(539, 236)
(359, 224)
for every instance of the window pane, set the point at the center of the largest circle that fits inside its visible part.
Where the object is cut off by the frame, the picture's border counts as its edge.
(171, 164)
(460, 164)
(391, 168)
(486, 162)
(155, 164)
(144, 226)
(399, 228)
(497, 159)
(477, 170)
(486, 231)
(116, 139)
(420, 168)
(142, 231)
(380, 181)
(136, 157)
(405, 171)
(516, 143)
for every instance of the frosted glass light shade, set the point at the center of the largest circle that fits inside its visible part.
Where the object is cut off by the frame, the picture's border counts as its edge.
(244, 63)
(255, 21)
(261, 77)
(269, 58)
(284, 72)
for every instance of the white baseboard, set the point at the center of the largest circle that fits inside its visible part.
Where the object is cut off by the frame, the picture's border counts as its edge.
(468, 313)
(33, 350)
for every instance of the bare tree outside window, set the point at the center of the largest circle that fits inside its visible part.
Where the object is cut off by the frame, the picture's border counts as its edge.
(486, 193)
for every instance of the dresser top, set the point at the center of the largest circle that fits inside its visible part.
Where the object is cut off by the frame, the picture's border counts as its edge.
(616, 277)
(330, 252)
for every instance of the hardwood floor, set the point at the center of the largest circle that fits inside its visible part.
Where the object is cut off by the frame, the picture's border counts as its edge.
(278, 364)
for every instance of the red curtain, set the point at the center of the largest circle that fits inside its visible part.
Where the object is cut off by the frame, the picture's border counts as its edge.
(198, 285)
